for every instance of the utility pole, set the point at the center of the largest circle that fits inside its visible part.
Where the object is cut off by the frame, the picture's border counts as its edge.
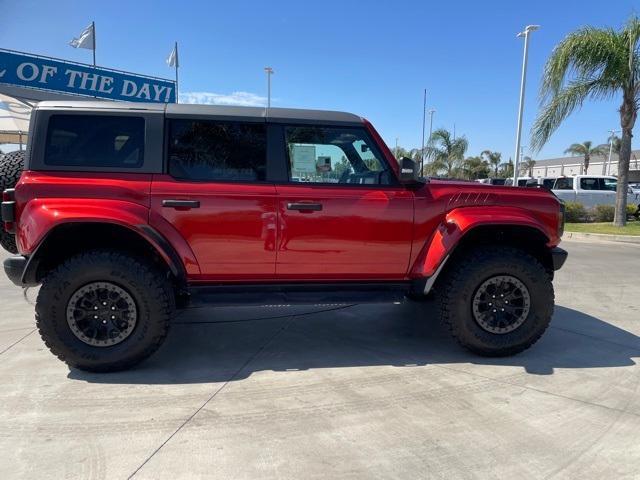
(528, 29)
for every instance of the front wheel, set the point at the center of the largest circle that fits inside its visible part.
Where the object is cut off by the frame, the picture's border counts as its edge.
(496, 301)
(104, 311)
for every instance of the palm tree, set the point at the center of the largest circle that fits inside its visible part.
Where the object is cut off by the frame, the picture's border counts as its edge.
(494, 159)
(475, 167)
(445, 152)
(527, 166)
(597, 64)
(586, 150)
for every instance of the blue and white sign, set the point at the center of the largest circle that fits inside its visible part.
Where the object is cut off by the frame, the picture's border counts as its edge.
(45, 73)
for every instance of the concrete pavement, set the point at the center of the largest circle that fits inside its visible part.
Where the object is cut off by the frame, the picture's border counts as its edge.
(352, 392)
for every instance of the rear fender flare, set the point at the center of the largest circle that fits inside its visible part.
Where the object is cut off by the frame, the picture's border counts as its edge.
(41, 217)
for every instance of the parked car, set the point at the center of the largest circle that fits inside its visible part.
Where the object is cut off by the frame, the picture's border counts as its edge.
(591, 190)
(635, 187)
(546, 182)
(492, 181)
(125, 211)
(522, 181)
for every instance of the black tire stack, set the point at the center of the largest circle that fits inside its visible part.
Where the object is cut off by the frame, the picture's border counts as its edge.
(11, 166)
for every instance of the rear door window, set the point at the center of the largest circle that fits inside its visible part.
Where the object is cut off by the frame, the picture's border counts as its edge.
(210, 150)
(107, 141)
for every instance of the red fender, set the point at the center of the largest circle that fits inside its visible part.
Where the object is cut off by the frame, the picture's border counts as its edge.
(40, 215)
(459, 221)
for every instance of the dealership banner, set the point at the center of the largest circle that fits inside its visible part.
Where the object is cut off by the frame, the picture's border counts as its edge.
(43, 73)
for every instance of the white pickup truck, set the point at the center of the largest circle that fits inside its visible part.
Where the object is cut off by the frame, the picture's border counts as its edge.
(591, 190)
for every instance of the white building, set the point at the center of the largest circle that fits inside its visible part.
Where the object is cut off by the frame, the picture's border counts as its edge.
(568, 166)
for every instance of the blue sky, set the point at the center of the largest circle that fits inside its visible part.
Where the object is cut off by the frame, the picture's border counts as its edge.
(370, 58)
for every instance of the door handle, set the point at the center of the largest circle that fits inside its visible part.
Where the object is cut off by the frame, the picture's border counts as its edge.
(305, 207)
(181, 204)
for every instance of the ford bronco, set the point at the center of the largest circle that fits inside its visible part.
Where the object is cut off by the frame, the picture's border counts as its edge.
(125, 212)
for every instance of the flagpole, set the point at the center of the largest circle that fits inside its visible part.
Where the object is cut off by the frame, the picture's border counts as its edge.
(93, 30)
(177, 64)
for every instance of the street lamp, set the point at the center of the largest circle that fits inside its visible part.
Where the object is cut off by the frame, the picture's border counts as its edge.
(269, 72)
(607, 165)
(528, 29)
(431, 112)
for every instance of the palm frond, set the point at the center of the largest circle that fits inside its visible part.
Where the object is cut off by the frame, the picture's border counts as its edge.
(563, 103)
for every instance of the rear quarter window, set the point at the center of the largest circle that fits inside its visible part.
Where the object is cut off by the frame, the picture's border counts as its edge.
(101, 141)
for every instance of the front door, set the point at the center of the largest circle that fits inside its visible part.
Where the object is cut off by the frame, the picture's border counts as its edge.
(343, 216)
(216, 196)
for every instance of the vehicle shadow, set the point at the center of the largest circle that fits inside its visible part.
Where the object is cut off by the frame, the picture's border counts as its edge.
(222, 344)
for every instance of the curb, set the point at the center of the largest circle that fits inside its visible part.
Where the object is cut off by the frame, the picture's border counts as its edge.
(601, 237)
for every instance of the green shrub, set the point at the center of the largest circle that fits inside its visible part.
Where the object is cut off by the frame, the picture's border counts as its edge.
(631, 210)
(575, 212)
(603, 213)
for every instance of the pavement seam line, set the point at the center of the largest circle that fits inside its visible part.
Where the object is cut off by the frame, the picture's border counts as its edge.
(526, 387)
(17, 342)
(236, 373)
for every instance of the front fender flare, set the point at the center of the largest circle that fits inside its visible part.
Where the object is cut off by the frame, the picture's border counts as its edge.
(459, 222)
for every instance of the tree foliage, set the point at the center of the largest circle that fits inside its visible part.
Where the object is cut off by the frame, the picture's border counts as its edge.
(593, 64)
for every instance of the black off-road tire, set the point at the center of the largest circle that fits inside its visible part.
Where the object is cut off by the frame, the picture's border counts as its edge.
(147, 285)
(11, 166)
(461, 282)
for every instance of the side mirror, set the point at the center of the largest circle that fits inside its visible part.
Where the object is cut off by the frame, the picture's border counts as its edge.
(408, 171)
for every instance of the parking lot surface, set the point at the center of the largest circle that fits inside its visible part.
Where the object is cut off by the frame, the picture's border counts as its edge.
(339, 392)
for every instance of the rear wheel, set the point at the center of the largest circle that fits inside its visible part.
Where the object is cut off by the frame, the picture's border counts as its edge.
(11, 166)
(104, 311)
(496, 301)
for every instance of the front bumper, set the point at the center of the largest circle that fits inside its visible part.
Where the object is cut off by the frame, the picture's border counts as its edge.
(558, 257)
(14, 268)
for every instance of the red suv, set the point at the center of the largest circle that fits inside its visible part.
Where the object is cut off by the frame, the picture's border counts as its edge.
(125, 211)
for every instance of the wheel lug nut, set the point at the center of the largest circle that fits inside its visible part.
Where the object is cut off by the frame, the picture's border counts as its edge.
(506, 301)
(494, 310)
(490, 303)
(104, 303)
(502, 309)
(95, 317)
(104, 321)
(113, 317)
(113, 308)
(95, 308)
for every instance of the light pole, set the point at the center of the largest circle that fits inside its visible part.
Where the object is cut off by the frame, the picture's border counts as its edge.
(269, 72)
(431, 112)
(528, 29)
(424, 119)
(607, 165)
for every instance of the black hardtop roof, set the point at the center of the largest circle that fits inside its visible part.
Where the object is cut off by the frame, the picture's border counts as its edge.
(218, 111)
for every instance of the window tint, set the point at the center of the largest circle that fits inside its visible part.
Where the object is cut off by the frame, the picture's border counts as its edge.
(334, 155)
(95, 141)
(563, 184)
(607, 184)
(211, 150)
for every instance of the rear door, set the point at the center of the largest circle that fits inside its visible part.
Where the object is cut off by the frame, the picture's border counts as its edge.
(343, 216)
(216, 196)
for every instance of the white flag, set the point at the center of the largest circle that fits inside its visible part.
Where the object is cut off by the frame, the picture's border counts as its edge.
(85, 40)
(172, 59)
